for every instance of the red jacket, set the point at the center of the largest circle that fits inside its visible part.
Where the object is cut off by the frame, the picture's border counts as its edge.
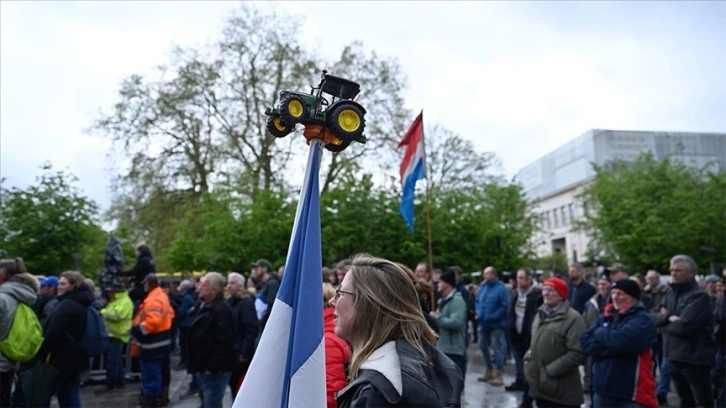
(337, 355)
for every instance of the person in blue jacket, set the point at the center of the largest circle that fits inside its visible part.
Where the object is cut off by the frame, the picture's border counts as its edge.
(620, 343)
(492, 303)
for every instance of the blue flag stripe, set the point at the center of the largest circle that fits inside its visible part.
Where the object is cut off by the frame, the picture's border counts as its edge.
(409, 187)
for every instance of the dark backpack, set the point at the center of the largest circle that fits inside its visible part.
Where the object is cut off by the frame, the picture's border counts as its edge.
(95, 340)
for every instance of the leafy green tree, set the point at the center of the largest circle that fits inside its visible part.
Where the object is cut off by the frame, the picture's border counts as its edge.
(645, 212)
(48, 222)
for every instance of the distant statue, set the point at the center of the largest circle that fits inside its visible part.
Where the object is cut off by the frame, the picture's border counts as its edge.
(113, 263)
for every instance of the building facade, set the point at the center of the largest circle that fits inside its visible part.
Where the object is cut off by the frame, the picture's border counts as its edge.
(554, 182)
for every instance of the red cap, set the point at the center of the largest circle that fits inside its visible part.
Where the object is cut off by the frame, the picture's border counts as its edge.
(558, 285)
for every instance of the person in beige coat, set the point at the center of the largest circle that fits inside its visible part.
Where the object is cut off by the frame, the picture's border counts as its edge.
(554, 356)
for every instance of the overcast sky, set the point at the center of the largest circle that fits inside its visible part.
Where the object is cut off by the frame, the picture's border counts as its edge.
(517, 78)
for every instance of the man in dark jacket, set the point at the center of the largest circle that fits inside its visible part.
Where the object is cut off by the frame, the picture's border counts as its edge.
(526, 299)
(266, 291)
(184, 320)
(144, 266)
(687, 324)
(211, 342)
(579, 291)
(620, 343)
(47, 298)
(246, 327)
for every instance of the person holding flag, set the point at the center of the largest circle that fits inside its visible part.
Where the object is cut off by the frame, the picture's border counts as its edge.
(394, 362)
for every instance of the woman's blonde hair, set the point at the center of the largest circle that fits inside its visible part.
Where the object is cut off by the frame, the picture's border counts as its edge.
(386, 308)
(75, 279)
(328, 293)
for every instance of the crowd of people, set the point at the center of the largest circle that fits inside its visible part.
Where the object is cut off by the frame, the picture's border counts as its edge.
(621, 338)
(393, 336)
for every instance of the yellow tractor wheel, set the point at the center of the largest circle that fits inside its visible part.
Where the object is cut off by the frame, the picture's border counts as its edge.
(346, 120)
(293, 109)
(277, 127)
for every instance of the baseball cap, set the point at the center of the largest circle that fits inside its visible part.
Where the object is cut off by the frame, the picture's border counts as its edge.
(263, 262)
(50, 281)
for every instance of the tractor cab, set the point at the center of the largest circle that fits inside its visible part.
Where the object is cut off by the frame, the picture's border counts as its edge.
(338, 87)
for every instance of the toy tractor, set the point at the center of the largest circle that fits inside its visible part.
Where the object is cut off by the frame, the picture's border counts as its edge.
(337, 122)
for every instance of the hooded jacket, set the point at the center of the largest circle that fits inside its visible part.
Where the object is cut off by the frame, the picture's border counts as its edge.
(117, 316)
(395, 375)
(65, 325)
(20, 288)
(620, 345)
(452, 324)
(553, 370)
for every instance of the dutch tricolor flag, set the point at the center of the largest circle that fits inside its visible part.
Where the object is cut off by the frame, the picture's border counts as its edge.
(288, 369)
(413, 167)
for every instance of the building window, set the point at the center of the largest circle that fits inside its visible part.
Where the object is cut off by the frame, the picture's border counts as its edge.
(557, 222)
(572, 212)
(564, 216)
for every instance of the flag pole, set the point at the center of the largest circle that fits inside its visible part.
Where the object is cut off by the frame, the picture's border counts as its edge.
(426, 203)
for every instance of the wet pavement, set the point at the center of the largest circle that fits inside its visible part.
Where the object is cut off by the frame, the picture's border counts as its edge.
(476, 394)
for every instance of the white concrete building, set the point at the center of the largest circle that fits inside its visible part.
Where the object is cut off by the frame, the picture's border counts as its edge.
(553, 182)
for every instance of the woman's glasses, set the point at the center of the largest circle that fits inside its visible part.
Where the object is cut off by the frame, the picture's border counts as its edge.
(339, 292)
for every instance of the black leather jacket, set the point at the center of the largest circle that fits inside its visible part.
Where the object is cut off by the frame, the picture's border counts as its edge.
(436, 385)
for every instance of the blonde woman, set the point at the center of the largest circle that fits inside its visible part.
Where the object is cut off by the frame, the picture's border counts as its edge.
(394, 361)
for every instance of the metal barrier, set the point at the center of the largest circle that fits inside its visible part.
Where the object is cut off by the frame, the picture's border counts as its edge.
(97, 368)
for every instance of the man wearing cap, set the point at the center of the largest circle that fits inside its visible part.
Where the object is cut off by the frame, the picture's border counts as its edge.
(47, 298)
(554, 356)
(620, 344)
(451, 318)
(152, 332)
(687, 325)
(117, 318)
(266, 291)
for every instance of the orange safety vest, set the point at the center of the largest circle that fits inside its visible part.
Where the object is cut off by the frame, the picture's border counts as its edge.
(154, 316)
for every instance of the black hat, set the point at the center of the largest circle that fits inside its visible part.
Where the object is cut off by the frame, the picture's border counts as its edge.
(449, 277)
(628, 286)
(151, 279)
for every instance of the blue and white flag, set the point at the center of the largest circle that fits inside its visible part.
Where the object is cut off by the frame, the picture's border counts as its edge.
(288, 369)
(413, 167)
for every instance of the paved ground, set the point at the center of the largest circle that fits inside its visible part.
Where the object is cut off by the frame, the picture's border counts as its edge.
(476, 394)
